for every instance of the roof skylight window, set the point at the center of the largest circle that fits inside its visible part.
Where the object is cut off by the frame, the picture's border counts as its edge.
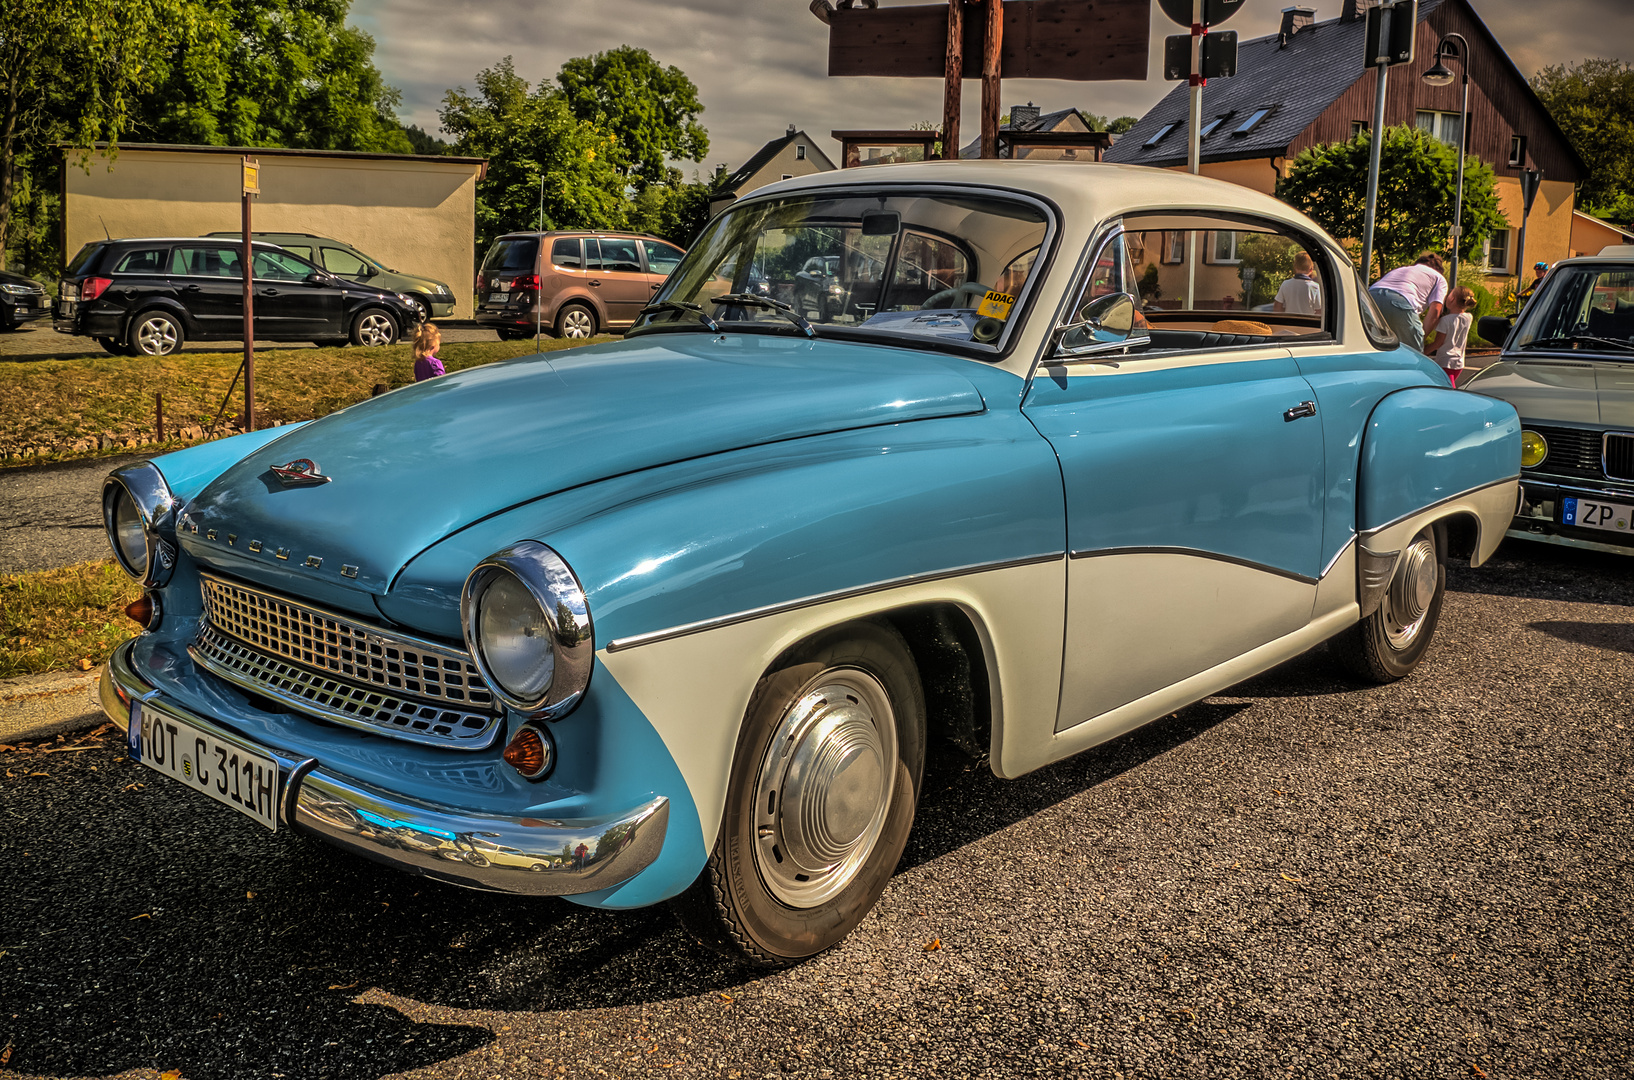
(1252, 122)
(1208, 128)
(1162, 131)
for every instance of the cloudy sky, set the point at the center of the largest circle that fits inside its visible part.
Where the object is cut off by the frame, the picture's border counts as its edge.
(760, 65)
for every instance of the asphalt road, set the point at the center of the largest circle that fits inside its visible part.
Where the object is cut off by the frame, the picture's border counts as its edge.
(1295, 878)
(37, 341)
(51, 514)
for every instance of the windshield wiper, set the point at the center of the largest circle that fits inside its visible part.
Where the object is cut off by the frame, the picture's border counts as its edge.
(683, 306)
(767, 304)
(1572, 339)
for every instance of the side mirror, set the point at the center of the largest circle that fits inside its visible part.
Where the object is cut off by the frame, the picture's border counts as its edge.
(1104, 324)
(1495, 328)
(367, 272)
(315, 278)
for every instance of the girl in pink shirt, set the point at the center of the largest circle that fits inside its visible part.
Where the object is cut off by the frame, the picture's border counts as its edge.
(426, 344)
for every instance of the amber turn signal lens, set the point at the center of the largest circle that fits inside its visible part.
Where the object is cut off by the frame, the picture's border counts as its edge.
(144, 611)
(529, 753)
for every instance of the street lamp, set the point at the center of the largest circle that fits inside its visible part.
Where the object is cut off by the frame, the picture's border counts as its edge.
(1439, 75)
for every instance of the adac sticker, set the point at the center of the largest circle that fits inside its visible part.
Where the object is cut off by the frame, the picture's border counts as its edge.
(996, 305)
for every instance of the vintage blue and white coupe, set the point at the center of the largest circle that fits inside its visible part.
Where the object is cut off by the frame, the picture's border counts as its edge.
(676, 617)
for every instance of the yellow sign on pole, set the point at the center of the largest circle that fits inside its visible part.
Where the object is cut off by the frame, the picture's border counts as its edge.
(252, 176)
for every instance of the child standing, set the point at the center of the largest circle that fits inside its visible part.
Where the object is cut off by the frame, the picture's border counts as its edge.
(1452, 333)
(426, 344)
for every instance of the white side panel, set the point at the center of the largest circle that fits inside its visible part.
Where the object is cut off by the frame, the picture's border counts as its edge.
(1493, 506)
(1338, 586)
(1141, 621)
(695, 689)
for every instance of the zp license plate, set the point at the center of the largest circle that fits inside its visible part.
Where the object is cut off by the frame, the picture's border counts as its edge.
(227, 773)
(1589, 514)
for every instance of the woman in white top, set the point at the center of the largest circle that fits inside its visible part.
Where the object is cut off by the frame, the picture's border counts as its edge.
(1452, 333)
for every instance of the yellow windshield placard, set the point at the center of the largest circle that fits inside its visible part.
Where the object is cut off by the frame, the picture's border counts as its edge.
(995, 305)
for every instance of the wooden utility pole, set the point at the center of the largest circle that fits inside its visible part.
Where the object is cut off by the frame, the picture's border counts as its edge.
(953, 80)
(992, 50)
(252, 187)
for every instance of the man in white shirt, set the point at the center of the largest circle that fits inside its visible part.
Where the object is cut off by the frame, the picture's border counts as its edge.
(1302, 293)
(1408, 292)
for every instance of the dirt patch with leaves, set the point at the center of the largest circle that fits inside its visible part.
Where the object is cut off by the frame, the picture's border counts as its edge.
(63, 620)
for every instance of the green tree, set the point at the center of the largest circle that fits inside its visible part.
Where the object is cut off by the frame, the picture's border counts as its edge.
(1417, 177)
(273, 73)
(674, 210)
(1593, 102)
(424, 142)
(529, 135)
(70, 70)
(1122, 124)
(651, 110)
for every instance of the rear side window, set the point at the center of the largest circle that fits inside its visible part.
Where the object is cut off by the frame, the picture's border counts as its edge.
(341, 262)
(617, 256)
(661, 258)
(302, 250)
(567, 253)
(512, 255)
(207, 261)
(83, 259)
(142, 261)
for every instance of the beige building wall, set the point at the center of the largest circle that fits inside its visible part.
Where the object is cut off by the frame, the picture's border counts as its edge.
(786, 162)
(1590, 234)
(1548, 229)
(414, 215)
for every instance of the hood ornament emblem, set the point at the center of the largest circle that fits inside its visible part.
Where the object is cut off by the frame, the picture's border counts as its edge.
(302, 472)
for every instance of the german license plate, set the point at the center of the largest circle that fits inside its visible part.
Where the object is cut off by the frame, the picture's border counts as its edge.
(496, 298)
(1592, 514)
(230, 774)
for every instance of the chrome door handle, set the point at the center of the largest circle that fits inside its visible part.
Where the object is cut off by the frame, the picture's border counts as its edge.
(269, 292)
(1304, 408)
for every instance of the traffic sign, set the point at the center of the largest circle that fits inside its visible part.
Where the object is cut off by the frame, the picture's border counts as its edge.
(1215, 12)
(1530, 179)
(1219, 55)
(1390, 32)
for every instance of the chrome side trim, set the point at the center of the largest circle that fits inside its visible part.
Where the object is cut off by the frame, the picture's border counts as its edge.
(685, 629)
(1198, 553)
(462, 847)
(1337, 555)
(1439, 502)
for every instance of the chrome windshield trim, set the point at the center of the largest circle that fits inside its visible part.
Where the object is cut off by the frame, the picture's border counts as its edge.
(749, 615)
(1197, 553)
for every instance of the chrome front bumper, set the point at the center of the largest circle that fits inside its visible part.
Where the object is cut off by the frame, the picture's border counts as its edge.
(462, 847)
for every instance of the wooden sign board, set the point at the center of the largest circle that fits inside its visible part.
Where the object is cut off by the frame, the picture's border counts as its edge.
(1085, 40)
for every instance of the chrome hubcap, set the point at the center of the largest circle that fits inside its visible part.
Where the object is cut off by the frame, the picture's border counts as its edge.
(156, 337)
(577, 324)
(824, 788)
(1411, 591)
(375, 330)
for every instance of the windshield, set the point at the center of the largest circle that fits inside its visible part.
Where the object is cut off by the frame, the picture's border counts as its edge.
(1582, 308)
(944, 266)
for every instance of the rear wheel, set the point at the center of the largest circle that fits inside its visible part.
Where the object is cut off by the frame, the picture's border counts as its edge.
(372, 326)
(1388, 644)
(576, 321)
(820, 800)
(155, 333)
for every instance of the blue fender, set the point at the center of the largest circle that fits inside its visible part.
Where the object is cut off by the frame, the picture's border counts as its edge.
(1425, 445)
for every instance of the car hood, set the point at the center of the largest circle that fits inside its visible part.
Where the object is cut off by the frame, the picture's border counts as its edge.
(411, 282)
(8, 278)
(411, 467)
(1599, 393)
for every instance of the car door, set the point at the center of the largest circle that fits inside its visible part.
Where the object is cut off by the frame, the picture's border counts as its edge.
(209, 282)
(617, 277)
(289, 306)
(661, 259)
(140, 275)
(1193, 474)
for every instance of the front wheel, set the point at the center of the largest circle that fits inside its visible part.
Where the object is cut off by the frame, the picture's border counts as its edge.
(1388, 644)
(819, 802)
(372, 326)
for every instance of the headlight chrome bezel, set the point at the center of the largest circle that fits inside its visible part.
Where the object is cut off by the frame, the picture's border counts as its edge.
(556, 589)
(144, 485)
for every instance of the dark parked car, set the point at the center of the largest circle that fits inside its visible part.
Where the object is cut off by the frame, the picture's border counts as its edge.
(434, 298)
(20, 300)
(146, 297)
(572, 284)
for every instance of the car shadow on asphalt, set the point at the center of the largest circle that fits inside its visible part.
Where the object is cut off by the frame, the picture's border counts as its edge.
(1609, 635)
(1537, 571)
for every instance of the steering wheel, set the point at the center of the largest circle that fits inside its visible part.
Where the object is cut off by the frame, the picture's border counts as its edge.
(960, 296)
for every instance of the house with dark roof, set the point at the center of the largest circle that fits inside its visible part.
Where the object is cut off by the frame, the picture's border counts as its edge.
(1307, 85)
(794, 154)
(1026, 123)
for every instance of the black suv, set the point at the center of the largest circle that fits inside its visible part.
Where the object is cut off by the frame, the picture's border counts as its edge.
(145, 297)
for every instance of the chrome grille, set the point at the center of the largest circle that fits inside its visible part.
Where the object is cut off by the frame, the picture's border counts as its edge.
(1619, 455)
(344, 670)
(1572, 452)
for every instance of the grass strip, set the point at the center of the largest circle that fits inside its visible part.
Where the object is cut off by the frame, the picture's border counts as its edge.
(88, 405)
(65, 619)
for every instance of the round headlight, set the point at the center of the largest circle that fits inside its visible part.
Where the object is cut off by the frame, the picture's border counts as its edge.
(1534, 448)
(138, 510)
(528, 628)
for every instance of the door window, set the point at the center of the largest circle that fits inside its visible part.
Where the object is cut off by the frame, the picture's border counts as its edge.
(567, 253)
(344, 263)
(661, 258)
(277, 266)
(612, 255)
(207, 262)
(142, 261)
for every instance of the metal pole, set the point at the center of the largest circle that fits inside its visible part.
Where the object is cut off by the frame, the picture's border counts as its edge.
(1458, 197)
(1194, 141)
(1381, 67)
(249, 320)
(1520, 263)
(953, 79)
(539, 295)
